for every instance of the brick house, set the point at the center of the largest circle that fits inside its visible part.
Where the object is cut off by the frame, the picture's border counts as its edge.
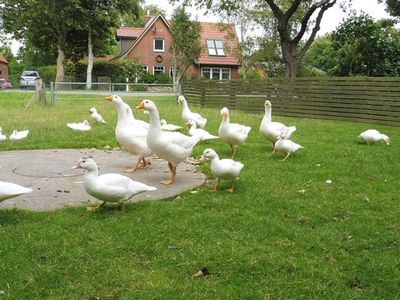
(3, 67)
(150, 46)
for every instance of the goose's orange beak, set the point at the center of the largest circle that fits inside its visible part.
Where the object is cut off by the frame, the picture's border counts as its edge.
(140, 106)
(109, 98)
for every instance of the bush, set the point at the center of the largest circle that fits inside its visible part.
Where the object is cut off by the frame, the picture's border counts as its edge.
(48, 73)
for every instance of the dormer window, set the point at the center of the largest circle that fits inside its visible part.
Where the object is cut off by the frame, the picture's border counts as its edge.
(158, 45)
(215, 48)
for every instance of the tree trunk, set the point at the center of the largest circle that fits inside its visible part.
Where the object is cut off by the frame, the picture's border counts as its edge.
(90, 62)
(60, 65)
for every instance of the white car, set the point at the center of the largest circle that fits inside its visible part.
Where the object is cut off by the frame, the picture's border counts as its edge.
(28, 78)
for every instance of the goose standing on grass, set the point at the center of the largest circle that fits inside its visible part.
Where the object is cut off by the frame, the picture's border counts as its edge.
(3, 137)
(273, 131)
(19, 135)
(173, 147)
(130, 134)
(188, 115)
(286, 146)
(96, 116)
(10, 190)
(373, 136)
(110, 187)
(169, 127)
(232, 133)
(223, 168)
(83, 126)
(204, 135)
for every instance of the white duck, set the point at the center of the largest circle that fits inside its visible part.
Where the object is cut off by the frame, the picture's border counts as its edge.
(223, 168)
(173, 147)
(19, 135)
(83, 126)
(204, 135)
(373, 135)
(188, 115)
(286, 146)
(110, 187)
(3, 137)
(96, 116)
(10, 190)
(130, 133)
(169, 127)
(272, 131)
(232, 133)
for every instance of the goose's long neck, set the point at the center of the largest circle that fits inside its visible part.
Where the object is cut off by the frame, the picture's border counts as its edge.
(123, 116)
(155, 125)
(267, 115)
(185, 106)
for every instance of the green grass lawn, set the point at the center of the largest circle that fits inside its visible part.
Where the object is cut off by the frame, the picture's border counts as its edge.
(284, 234)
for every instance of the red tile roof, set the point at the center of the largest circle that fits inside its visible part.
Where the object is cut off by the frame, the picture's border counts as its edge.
(129, 31)
(209, 31)
(224, 32)
(2, 59)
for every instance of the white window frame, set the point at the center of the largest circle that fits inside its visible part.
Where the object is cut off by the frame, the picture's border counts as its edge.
(211, 69)
(218, 51)
(154, 45)
(145, 68)
(163, 69)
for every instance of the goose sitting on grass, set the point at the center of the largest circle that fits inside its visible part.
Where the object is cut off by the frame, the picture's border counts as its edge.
(372, 136)
(232, 133)
(272, 131)
(173, 147)
(286, 146)
(187, 114)
(83, 126)
(3, 137)
(19, 135)
(169, 127)
(96, 116)
(10, 190)
(223, 168)
(204, 135)
(110, 187)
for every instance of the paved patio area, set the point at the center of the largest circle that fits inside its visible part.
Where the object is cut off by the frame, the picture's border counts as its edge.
(55, 185)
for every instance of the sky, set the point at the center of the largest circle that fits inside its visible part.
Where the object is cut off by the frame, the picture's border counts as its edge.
(332, 17)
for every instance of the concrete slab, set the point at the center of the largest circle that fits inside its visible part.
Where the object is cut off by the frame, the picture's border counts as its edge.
(57, 186)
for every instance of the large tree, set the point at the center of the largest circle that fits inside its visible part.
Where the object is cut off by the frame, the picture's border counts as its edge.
(186, 46)
(44, 23)
(292, 19)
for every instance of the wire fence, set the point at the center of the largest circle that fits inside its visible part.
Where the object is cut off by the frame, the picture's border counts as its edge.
(83, 91)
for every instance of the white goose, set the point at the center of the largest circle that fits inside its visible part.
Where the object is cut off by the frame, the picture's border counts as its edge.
(130, 133)
(83, 126)
(204, 135)
(188, 115)
(96, 116)
(373, 136)
(173, 147)
(110, 187)
(169, 127)
(223, 168)
(286, 146)
(10, 190)
(3, 137)
(272, 131)
(19, 135)
(232, 133)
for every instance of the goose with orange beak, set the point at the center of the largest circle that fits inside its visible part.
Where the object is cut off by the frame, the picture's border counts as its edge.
(232, 133)
(131, 133)
(173, 147)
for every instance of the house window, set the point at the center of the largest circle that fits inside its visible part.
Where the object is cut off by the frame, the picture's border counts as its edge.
(158, 45)
(215, 47)
(145, 68)
(216, 73)
(171, 70)
(158, 70)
